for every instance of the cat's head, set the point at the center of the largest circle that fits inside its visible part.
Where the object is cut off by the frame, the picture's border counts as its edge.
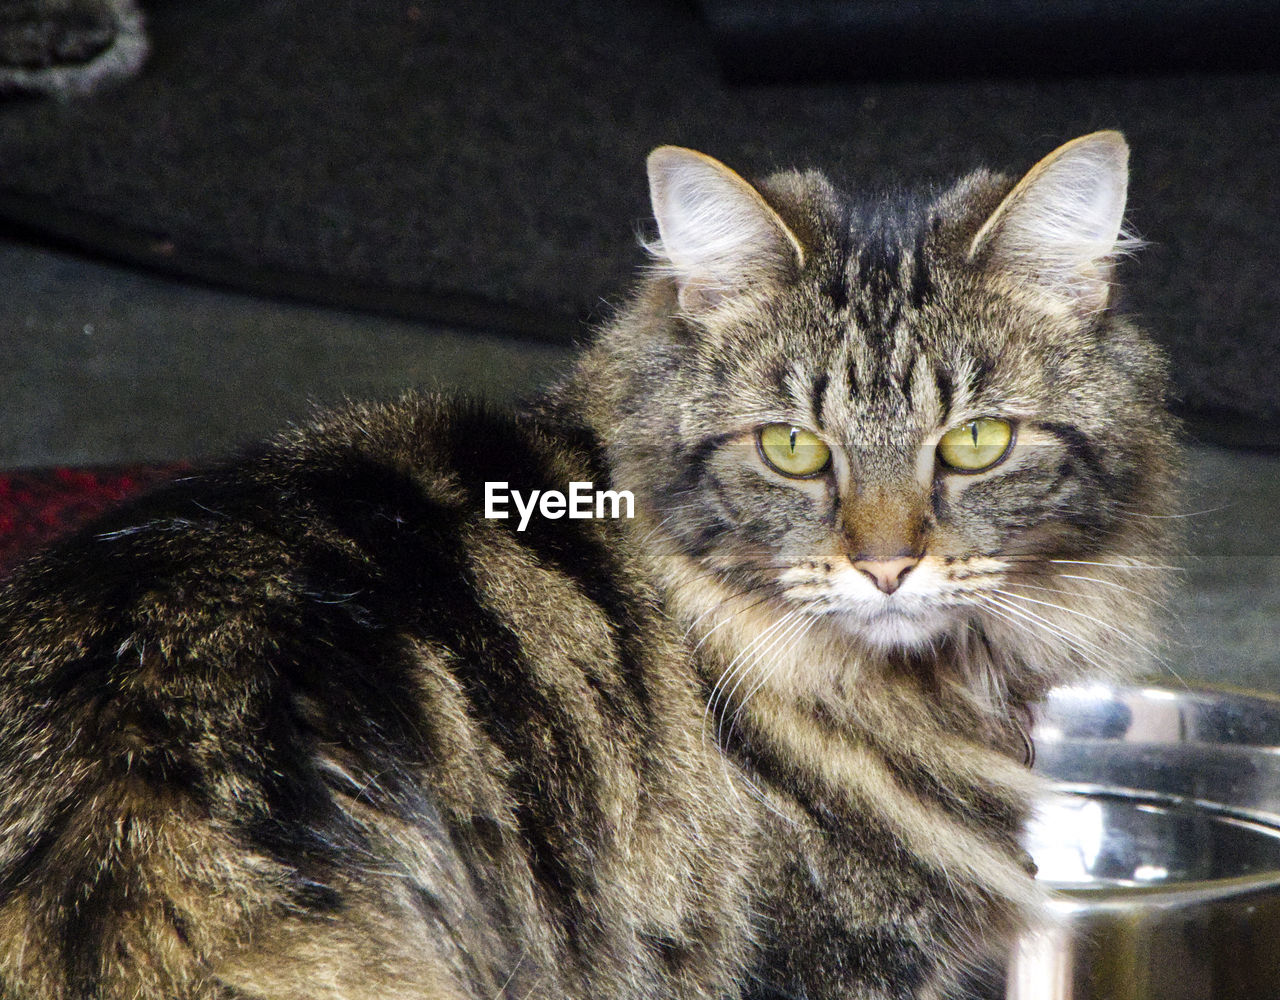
(916, 419)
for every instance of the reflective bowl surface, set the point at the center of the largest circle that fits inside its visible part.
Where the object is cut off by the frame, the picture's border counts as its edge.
(1162, 841)
(1100, 841)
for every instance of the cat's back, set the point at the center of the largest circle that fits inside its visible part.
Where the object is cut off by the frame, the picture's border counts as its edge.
(359, 522)
(386, 500)
(313, 711)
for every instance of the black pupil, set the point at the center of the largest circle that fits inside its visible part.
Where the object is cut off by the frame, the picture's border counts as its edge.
(793, 440)
(974, 428)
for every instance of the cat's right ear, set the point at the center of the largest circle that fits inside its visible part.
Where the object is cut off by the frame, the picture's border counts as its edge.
(718, 235)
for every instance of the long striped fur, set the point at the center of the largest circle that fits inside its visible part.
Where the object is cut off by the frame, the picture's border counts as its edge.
(308, 724)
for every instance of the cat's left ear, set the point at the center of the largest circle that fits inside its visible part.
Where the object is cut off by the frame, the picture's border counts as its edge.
(718, 235)
(1059, 228)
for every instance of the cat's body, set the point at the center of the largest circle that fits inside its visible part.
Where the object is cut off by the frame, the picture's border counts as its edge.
(310, 725)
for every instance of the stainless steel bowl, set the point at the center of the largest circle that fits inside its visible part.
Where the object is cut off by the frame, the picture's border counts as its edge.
(1162, 840)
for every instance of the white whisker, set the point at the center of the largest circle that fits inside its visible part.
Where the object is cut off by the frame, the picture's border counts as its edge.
(798, 622)
(1117, 586)
(1173, 517)
(1080, 645)
(796, 637)
(1107, 626)
(725, 621)
(1124, 565)
(1079, 593)
(751, 592)
(1030, 627)
(727, 673)
(736, 663)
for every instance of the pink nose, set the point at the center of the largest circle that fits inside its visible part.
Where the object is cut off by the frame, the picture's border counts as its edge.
(887, 574)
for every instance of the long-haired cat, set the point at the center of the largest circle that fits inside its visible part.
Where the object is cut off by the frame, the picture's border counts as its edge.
(309, 724)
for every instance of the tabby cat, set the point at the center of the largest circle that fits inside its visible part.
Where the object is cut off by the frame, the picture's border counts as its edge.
(310, 724)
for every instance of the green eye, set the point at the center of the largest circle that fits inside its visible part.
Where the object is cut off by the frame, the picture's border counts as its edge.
(977, 445)
(793, 451)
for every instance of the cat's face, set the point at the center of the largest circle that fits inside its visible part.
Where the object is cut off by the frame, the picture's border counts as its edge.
(905, 420)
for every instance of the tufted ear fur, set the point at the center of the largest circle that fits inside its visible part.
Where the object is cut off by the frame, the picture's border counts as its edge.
(1059, 228)
(718, 236)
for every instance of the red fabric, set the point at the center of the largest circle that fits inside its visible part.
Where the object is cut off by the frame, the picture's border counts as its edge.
(38, 505)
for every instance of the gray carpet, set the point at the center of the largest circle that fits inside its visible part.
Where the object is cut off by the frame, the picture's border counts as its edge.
(481, 164)
(105, 365)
